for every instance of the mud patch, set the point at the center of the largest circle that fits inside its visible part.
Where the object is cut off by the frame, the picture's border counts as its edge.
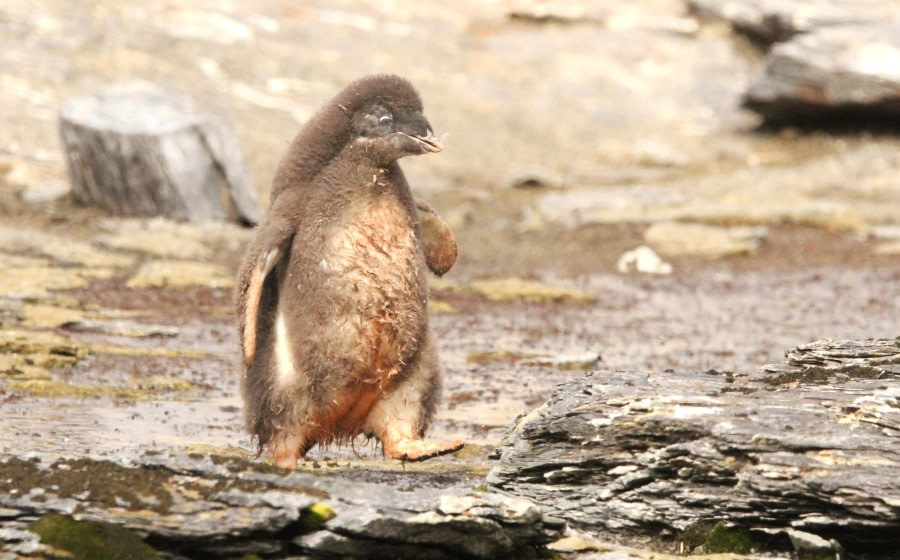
(156, 304)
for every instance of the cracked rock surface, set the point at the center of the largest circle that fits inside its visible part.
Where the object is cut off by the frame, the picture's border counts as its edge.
(807, 445)
(199, 507)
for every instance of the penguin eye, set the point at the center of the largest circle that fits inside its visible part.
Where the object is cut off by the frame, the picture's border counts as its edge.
(385, 119)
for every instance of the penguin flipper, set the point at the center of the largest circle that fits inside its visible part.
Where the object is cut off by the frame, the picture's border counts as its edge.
(271, 245)
(437, 239)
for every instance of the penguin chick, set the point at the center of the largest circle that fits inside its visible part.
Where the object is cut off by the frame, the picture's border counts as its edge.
(332, 295)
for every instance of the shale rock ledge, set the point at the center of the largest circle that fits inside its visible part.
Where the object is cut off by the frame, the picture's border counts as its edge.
(807, 449)
(196, 506)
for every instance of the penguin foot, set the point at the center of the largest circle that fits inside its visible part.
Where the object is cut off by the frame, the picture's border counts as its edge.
(407, 449)
(286, 449)
(285, 460)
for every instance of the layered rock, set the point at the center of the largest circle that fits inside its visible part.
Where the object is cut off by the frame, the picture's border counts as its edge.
(810, 445)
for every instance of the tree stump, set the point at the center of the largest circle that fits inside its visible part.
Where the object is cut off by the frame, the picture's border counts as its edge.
(809, 448)
(137, 150)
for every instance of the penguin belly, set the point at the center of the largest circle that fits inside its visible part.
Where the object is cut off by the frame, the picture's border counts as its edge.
(366, 311)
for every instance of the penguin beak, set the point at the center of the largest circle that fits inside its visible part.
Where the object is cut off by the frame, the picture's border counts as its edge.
(428, 143)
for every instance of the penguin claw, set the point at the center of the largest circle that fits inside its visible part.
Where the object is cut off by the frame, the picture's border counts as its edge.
(421, 450)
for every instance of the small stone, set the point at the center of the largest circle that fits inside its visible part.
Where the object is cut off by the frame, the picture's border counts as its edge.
(457, 505)
(46, 191)
(804, 541)
(643, 259)
(17, 535)
(578, 544)
(888, 239)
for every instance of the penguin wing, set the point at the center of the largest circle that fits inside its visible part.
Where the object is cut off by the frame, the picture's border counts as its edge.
(437, 239)
(271, 245)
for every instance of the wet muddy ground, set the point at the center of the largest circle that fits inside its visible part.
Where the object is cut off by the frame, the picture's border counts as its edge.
(133, 369)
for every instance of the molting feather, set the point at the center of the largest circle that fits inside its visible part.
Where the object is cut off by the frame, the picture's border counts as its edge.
(328, 131)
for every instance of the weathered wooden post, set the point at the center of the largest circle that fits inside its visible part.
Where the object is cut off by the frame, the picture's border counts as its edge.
(138, 150)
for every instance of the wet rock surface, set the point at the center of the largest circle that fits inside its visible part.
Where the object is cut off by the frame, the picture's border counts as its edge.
(807, 445)
(829, 64)
(121, 381)
(219, 506)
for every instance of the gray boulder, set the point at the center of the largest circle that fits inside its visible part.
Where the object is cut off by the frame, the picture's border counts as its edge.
(839, 72)
(772, 21)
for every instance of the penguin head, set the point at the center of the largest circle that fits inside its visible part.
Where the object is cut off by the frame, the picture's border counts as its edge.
(381, 114)
(394, 131)
(387, 119)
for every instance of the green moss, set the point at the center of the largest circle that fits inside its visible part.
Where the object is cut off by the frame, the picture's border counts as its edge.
(495, 356)
(694, 536)
(28, 356)
(89, 540)
(52, 389)
(180, 274)
(517, 289)
(440, 307)
(730, 539)
(39, 348)
(719, 538)
(538, 553)
(114, 350)
(315, 516)
(816, 555)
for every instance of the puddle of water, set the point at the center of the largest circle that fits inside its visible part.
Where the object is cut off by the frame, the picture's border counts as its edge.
(99, 427)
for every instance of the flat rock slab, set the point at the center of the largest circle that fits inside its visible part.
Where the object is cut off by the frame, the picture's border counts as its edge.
(678, 239)
(843, 71)
(810, 445)
(202, 506)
